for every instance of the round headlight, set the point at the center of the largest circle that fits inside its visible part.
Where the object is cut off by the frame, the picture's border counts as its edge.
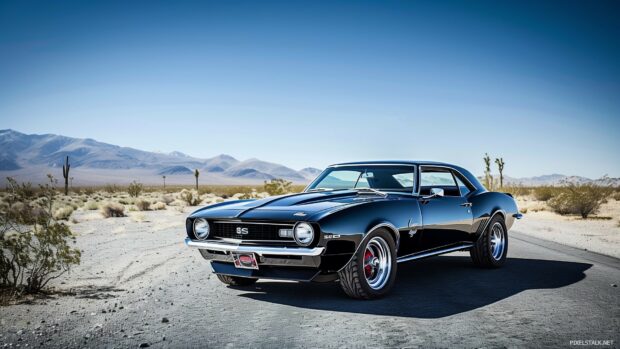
(304, 234)
(201, 228)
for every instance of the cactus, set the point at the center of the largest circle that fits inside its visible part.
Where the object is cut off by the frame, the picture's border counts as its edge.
(488, 180)
(500, 166)
(65, 174)
(196, 174)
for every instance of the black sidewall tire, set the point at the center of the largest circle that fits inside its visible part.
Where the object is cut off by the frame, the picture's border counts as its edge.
(481, 253)
(352, 277)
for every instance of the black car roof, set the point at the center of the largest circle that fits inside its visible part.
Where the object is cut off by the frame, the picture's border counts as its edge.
(396, 162)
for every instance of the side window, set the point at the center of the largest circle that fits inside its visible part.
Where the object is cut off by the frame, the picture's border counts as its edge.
(462, 187)
(443, 179)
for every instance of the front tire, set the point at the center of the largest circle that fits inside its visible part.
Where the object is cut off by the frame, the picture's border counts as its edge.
(492, 246)
(236, 280)
(371, 272)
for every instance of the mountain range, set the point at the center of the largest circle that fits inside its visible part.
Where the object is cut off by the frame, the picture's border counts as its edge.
(21, 153)
(29, 157)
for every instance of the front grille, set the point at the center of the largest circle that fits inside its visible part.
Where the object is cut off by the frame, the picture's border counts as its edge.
(255, 231)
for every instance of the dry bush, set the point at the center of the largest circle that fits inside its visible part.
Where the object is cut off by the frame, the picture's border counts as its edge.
(545, 193)
(581, 199)
(516, 190)
(134, 189)
(277, 186)
(167, 199)
(158, 206)
(143, 205)
(34, 247)
(111, 188)
(63, 213)
(616, 194)
(190, 197)
(91, 205)
(112, 209)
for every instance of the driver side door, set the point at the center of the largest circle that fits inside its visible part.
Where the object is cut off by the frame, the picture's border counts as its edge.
(446, 219)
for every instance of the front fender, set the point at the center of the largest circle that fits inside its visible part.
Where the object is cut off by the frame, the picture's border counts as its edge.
(348, 227)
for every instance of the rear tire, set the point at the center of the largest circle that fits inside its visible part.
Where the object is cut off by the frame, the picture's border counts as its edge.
(492, 246)
(371, 272)
(236, 280)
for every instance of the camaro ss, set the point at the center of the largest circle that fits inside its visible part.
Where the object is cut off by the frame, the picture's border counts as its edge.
(353, 224)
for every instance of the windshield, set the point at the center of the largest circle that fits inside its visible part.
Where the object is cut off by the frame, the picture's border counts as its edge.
(384, 178)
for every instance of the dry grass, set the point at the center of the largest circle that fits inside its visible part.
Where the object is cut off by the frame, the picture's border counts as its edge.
(158, 206)
(63, 213)
(91, 206)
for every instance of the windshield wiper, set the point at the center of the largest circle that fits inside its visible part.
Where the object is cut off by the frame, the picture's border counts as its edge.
(372, 190)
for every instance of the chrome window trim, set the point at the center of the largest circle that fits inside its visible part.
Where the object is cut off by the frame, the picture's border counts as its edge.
(415, 174)
(441, 166)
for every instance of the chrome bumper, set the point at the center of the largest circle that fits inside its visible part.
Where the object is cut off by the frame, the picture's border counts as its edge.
(260, 250)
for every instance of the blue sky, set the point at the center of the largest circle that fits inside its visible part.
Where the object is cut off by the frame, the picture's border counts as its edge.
(314, 83)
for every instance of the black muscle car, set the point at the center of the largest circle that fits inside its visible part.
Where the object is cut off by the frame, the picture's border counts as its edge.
(354, 223)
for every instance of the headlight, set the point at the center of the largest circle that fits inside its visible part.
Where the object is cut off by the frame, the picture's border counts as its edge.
(201, 228)
(304, 234)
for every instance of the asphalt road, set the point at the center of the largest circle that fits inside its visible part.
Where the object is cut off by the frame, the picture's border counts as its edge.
(546, 295)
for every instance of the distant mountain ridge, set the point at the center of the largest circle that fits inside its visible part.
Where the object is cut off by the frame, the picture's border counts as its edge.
(23, 151)
(559, 180)
(30, 157)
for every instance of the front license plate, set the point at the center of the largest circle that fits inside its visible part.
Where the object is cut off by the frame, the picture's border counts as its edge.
(245, 260)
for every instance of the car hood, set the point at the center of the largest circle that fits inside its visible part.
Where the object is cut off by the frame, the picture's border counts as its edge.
(293, 207)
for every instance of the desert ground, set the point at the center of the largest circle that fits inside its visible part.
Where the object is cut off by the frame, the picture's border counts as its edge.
(138, 285)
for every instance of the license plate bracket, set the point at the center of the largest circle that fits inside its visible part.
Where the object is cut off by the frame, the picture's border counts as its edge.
(245, 261)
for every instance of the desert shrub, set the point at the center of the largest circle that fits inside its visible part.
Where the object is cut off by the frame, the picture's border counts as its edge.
(143, 205)
(63, 213)
(545, 193)
(111, 188)
(516, 190)
(134, 189)
(167, 199)
(112, 209)
(34, 246)
(616, 195)
(582, 199)
(91, 205)
(277, 186)
(87, 191)
(158, 206)
(190, 197)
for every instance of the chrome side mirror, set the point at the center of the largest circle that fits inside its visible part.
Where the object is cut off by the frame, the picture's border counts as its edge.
(435, 192)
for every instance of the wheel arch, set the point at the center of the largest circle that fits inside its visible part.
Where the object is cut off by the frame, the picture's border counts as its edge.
(389, 227)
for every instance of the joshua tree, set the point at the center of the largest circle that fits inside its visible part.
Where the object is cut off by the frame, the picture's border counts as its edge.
(500, 166)
(196, 174)
(164, 182)
(487, 171)
(65, 173)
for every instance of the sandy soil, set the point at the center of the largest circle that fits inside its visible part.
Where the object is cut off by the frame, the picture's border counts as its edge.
(138, 284)
(600, 234)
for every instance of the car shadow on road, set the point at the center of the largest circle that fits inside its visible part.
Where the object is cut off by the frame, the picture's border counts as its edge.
(431, 288)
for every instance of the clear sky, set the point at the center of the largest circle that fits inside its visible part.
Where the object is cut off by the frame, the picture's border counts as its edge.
(314, 83)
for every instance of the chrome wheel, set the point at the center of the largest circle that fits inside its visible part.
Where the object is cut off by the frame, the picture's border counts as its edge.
(377, 262)
(498, 241)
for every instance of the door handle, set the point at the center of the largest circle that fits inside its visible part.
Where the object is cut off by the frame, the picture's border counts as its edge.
(467, 204)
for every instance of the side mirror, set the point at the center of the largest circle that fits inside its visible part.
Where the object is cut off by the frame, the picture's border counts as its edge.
(435, 192)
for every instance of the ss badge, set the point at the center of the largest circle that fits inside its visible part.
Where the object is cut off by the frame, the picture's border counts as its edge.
(242, 231)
